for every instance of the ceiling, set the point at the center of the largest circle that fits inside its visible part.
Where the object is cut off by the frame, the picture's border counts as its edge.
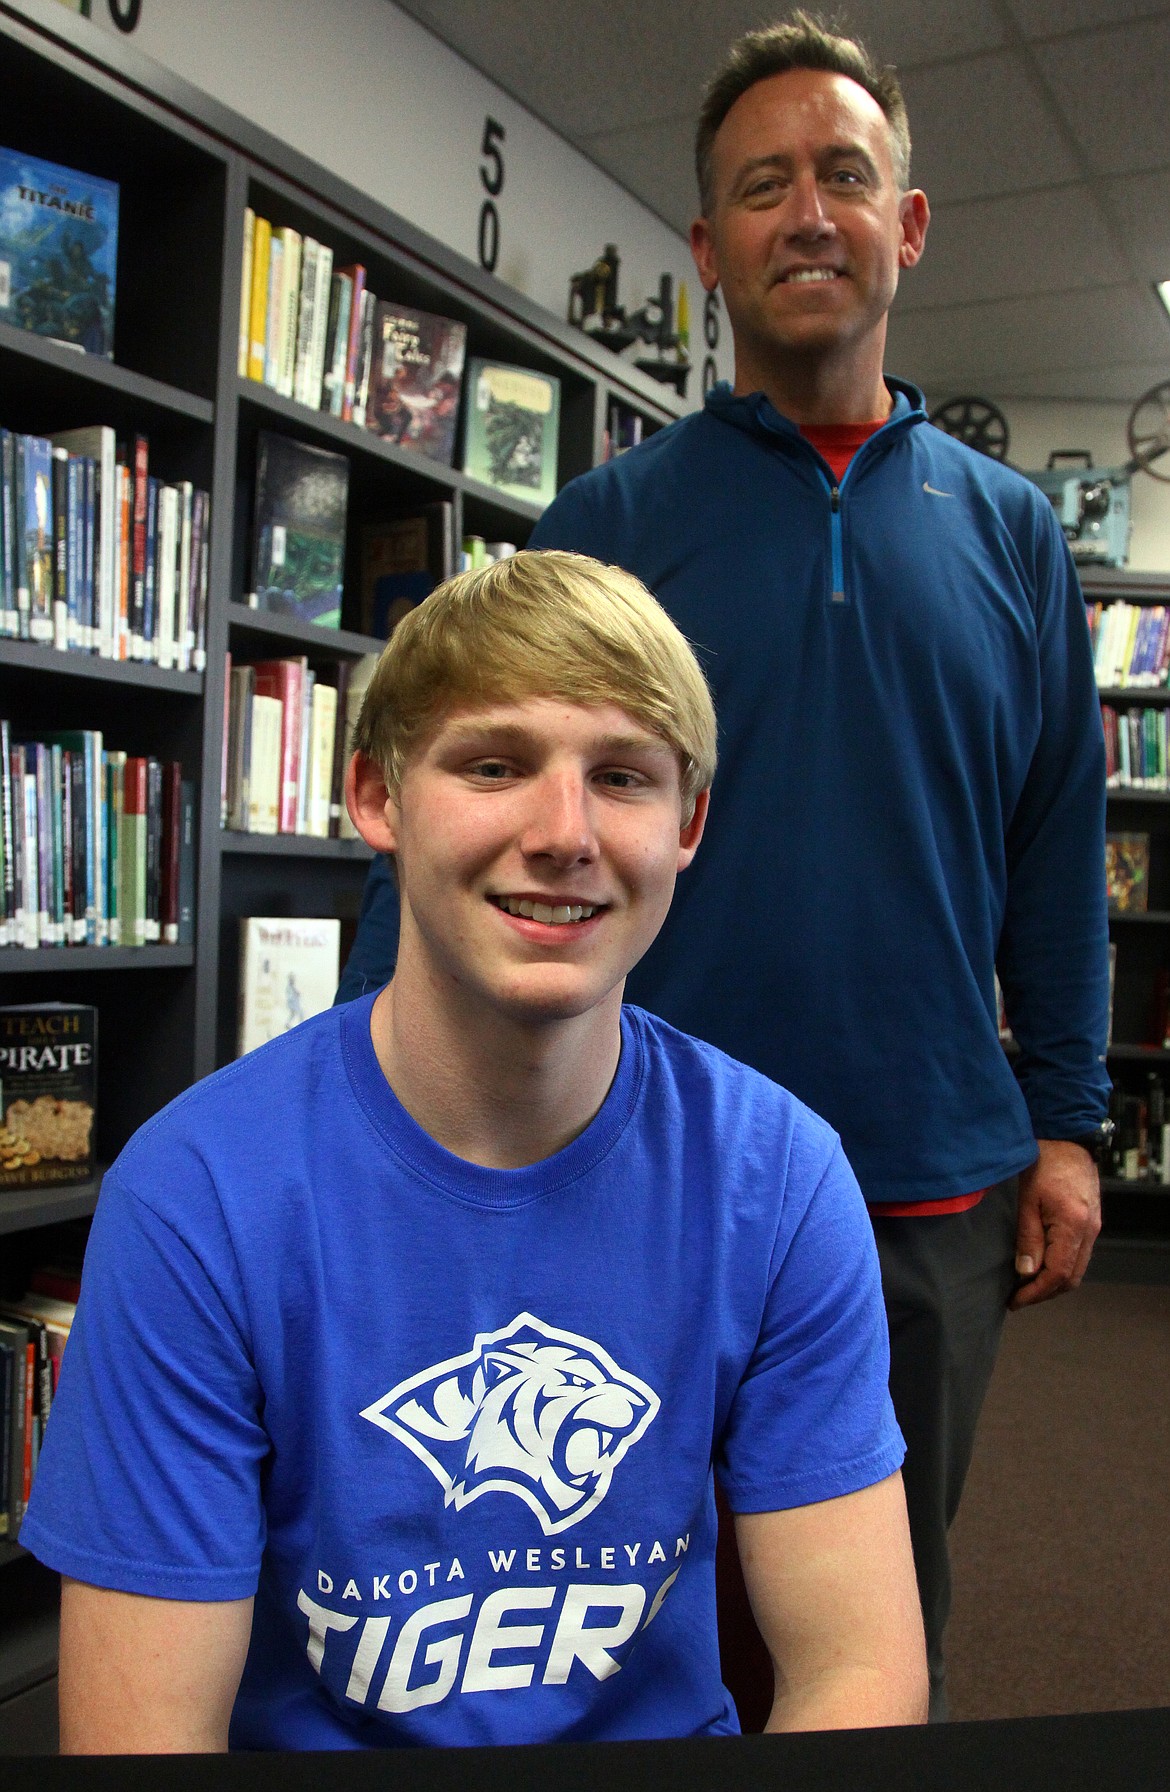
(1041, 133)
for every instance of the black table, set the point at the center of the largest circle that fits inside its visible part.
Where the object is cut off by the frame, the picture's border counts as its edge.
(1116, 1751)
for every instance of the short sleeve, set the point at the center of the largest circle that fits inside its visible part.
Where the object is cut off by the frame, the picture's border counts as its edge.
(149, 1477)
(812, 1418)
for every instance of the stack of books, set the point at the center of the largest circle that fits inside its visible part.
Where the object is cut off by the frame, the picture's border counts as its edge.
(97, 555)
(284, 757)
(319, 335)
(1131, 644)
(97, 845)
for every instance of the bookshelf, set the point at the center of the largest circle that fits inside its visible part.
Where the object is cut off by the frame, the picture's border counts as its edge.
(1138, 1060)
(186, 169)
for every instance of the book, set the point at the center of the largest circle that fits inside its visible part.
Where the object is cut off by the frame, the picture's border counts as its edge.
(288, 972)
(1127, 872)
(245, 342)
(510, 426)
(299, 533)
(35, 596)
(402, 562)
(415, 379)
(264, 765)
(337, 343)
(258, 323)
(14, 1337)
(357, 278)
(319, 780)
(58, 252)
(132, 853)
(285, 680)
(286, 318)
(48, 1079)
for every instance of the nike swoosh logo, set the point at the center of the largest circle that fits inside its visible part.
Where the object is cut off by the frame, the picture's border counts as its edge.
(934, 491)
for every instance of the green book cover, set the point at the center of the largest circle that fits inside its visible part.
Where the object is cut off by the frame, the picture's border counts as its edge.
(510, 429)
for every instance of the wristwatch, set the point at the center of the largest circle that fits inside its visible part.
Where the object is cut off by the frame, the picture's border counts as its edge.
(1097, 1142)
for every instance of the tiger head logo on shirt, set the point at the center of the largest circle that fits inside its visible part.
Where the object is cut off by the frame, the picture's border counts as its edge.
(530, 1410)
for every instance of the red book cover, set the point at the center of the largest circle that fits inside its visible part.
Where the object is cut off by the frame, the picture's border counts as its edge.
(357, 274)
(285, 679)
(168, 909)
(138, 613)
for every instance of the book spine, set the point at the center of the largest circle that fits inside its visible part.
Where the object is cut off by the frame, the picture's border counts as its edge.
(152, 901)
(321, 312)
(74, 551)
(89, 590)
(133, 853)
(8, 836)
(320, 780)
(306, 300)
(365, 360)
(138, 568)
(168, 908)
(186, 935)
(125, 537)
(199, 656)
(150, 597)
(116, 839)
(338, 345)
(186, 497)
(59, 606)
(43, 835)
(167, 556)
(246, 293)
(290, 291)
(8, 612)
(261, 250)
(337, 785)
(107, 566)
(96, 844)
(60, 920)
(353, 344)
(272, 311)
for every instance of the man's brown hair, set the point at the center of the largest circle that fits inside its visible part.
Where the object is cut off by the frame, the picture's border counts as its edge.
(803, 41)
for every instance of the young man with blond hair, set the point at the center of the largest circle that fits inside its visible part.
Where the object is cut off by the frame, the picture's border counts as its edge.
(407, 1343)
(912, 790)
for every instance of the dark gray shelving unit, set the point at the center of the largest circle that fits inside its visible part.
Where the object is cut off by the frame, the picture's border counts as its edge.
(186, 169)
(1137, 1211)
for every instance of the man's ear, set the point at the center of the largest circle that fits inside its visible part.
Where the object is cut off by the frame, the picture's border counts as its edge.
(914, 211)
(691, 831)
(372, 809)
(703, 251)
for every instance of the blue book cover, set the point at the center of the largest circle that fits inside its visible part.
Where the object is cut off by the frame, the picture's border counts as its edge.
(58, 252)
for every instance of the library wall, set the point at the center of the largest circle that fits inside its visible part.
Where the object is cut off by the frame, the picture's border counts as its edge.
(373, 96)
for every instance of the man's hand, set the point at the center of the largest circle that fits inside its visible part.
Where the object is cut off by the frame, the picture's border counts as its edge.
(1058, 1220)
(833, 1592)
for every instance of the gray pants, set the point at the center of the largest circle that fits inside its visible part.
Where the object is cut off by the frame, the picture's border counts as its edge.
(947, 1281)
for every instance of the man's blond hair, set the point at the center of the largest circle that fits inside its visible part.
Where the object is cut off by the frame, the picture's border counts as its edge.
(539, 624)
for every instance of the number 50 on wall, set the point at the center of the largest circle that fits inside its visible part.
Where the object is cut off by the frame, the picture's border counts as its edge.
(491, 175)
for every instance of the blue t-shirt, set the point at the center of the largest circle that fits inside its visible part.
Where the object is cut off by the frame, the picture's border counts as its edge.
(454, 1427)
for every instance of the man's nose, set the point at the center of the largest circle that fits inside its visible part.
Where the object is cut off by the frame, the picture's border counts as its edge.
(560, 822)
(807, 214)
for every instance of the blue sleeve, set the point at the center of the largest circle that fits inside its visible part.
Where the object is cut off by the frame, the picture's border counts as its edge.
(583, 518)
(374, 952)
(815, 1397)
(1053, 957)
(149, 1479)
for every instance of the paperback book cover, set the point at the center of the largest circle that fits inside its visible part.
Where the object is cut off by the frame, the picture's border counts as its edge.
(510, 429)
(288, 971)
(48, 1093)
(1127, 872)
(299, 553)
(402, 562)
(415, 378)
(58, 252)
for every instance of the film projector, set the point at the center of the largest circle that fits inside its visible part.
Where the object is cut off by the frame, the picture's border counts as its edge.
(1091, 502)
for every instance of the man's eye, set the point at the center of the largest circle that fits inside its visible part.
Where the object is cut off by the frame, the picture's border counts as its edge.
(620, 780)
(491, 769)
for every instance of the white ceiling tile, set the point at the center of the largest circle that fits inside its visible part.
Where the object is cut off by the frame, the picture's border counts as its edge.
(1113, 88)
(1124, 384)
(1053, 18)
(655, 162)
(1048, 241)
(1140, 207)
(992, 344)
(979, 127)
